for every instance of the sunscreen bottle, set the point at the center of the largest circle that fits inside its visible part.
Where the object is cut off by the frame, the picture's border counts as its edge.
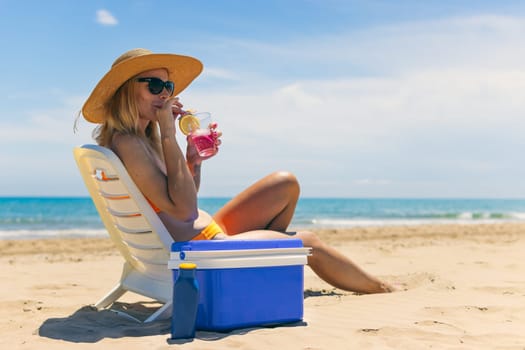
(185, 302)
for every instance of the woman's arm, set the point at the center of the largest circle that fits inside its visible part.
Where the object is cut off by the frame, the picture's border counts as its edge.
(170, 186)
(195, 169)
(194, 162)
(179, 200)
(182, 189)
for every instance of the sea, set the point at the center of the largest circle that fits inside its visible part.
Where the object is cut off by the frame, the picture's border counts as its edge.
(52, 217)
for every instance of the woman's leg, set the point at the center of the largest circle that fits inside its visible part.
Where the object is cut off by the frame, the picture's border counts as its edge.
(338, 270)
(269, 204)
(264, 211)
(329, 264)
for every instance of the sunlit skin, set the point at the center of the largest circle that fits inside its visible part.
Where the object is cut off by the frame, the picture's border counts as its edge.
(262, 211)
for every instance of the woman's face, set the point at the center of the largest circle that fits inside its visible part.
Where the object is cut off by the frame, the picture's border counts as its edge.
(148, 103)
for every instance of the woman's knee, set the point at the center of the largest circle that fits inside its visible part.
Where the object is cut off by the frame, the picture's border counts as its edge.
(287, 181)
(310, 239)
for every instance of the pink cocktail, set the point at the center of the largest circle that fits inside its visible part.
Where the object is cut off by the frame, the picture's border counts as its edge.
(204, 142)
(201, 131)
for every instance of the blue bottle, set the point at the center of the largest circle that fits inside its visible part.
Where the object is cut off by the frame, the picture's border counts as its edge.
(185, 302)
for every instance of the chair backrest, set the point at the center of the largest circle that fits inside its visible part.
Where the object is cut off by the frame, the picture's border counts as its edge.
(134, 227)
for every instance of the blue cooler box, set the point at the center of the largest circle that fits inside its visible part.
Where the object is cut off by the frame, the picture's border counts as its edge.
(245, 283)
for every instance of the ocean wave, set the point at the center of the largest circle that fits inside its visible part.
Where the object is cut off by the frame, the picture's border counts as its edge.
(326, 223)
(320, 222)
(463, 215)
(518, 216)
(442, 219)
(77, 217)
(484, 215)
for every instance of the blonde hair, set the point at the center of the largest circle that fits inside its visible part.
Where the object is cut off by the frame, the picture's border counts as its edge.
(123, 118)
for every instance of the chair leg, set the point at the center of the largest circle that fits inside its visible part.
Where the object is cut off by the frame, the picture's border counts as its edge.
(111, 297)
(162, 313)
(117, 291)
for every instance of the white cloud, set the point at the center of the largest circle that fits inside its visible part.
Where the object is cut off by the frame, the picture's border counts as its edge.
(436, 108)
(298, 96)
(219, 73)
(40, 145)
(420, 109)
(105, 18)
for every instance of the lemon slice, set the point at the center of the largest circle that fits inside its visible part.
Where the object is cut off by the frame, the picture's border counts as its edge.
(188, 123)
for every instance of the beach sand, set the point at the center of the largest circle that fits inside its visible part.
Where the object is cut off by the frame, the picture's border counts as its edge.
(463, 287)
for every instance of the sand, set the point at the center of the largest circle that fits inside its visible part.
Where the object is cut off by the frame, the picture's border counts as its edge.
(463, 287)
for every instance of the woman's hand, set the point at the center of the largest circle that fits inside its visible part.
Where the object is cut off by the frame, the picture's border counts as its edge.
(176, 108)
(171, 109)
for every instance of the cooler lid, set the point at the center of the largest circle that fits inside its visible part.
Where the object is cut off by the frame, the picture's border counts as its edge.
(235, 244)
(239, 254)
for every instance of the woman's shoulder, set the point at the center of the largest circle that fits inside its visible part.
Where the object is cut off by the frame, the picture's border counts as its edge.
(124, 141)
(128, 144)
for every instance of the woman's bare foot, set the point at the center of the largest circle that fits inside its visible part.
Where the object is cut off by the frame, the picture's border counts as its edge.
(383, 287)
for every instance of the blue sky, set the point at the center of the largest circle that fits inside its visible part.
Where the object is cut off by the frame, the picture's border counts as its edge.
(357, 98)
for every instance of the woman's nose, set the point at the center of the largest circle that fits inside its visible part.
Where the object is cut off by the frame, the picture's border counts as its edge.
(164, 94)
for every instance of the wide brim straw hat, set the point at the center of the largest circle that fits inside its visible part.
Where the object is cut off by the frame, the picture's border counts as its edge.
(182, 71)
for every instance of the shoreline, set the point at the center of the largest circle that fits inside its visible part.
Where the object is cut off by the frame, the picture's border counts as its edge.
(340, 234)
(463, 286)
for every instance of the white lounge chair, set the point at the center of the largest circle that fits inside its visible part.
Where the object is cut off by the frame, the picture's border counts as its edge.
(134, 227)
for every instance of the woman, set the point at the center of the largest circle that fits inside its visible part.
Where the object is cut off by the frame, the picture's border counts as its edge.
(135, 105)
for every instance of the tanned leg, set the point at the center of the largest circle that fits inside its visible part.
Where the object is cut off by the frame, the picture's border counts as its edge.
(269, 204)
(264, 211)
(329, 264)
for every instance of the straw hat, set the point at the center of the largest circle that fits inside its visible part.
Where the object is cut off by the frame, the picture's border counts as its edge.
(181, 69)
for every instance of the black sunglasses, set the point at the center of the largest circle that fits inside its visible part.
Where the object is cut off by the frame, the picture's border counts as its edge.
(156, 85)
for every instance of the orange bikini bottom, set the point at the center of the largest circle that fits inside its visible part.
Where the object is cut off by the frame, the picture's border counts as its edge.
(210, 231)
